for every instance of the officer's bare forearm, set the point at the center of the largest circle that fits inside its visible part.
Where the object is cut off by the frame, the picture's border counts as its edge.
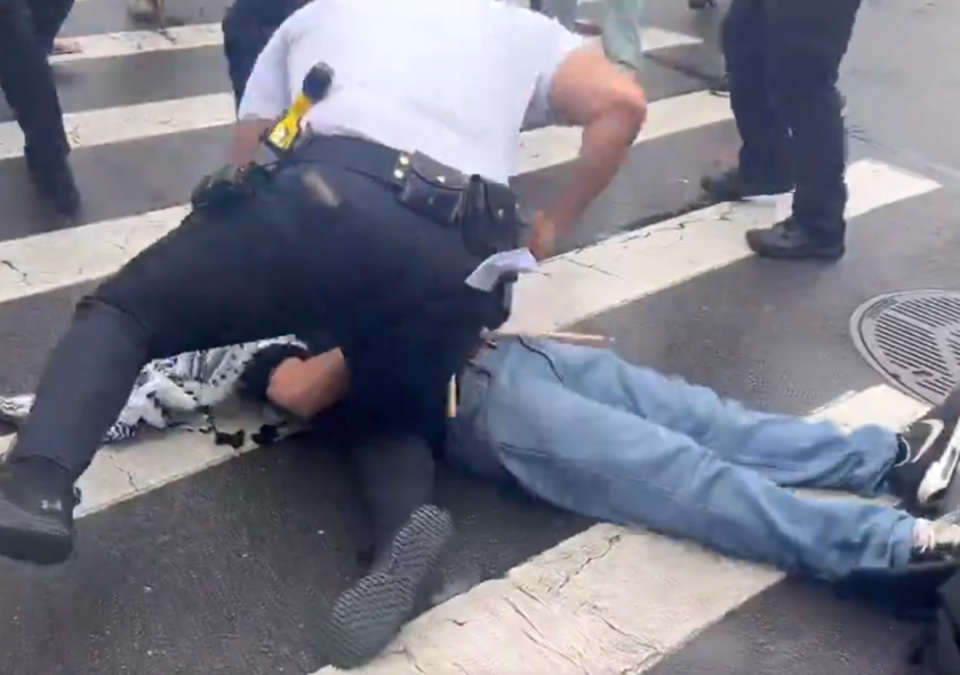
(246, 140)
(607, 140)
(590, 92)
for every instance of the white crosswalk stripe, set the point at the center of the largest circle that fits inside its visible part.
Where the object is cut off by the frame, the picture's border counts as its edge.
(565, 611)
(126, 43)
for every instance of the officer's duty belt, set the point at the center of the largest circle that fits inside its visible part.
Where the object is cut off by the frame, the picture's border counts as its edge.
(487, 211)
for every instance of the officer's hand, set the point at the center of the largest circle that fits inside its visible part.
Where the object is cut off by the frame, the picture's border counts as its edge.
(544, 239)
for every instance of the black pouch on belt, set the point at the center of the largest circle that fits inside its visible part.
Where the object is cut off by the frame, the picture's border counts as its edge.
(485, 212)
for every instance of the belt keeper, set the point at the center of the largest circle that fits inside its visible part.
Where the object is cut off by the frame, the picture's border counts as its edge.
(452, 398)
(402, 166)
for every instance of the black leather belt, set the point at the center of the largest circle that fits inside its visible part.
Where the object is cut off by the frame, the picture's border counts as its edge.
(371, 159)
(391, 166)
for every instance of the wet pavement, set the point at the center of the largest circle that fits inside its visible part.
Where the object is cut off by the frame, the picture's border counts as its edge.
(228, 571)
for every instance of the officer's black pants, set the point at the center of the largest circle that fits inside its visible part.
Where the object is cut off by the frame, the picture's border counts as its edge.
(326, 247)
(783, 58)
(247, 27)
(27, 31)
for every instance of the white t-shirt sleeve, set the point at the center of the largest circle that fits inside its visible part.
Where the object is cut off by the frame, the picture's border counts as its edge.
(554, 45)
(267, 94)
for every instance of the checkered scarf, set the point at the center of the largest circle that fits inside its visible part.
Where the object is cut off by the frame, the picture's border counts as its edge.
(178, 392)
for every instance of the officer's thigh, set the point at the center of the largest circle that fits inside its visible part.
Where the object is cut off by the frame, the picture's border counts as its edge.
(807, 41)
(400, 365)
(743, 35)
(216, 280)
(14, 21)
(321, 247)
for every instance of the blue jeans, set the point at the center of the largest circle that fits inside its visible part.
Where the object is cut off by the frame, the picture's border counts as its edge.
(588, 432)
(621, 26)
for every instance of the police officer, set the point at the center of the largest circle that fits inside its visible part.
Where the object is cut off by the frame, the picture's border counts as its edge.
(247, 27)
(27, 31)
(783, 59)
(370, 228)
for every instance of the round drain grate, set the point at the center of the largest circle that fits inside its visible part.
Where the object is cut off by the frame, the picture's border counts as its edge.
(912, 339)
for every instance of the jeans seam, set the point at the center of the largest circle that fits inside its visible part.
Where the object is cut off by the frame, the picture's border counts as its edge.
(670, 494)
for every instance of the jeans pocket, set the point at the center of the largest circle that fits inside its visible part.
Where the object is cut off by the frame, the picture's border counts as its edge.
(469, 441)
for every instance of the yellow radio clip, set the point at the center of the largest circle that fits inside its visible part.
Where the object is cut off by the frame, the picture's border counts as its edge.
(283, 136)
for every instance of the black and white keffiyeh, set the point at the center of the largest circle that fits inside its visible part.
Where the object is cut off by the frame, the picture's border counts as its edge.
(178, 392)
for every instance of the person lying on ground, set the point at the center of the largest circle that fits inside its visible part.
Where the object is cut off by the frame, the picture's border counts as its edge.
(589, 432)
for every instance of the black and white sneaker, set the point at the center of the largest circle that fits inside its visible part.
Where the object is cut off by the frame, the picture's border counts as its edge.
(930, 454)
(940, 542)
(366, 617)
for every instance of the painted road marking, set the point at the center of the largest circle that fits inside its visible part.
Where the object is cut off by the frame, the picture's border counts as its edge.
(127, 43)
(539, 148)
(52, 260)
(146, 120)
(623, 268)
(105, 126)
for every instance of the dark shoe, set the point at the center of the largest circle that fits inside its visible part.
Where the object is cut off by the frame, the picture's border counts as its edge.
(721, 86)
(701, 4)
(54, 180)
(942, 546)
(931, 453)
(789, 241)
(368, 616)
(36, 512)
(730, 186)
(909, 592)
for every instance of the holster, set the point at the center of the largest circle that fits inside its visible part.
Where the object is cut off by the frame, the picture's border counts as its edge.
(228, 187)
(486, 212)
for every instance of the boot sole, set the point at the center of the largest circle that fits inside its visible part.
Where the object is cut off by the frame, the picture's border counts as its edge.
(365, 618)
(27, 537)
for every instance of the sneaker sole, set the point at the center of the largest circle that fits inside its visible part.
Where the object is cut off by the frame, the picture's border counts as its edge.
(28, 538)
(941, 473)
(366, 617)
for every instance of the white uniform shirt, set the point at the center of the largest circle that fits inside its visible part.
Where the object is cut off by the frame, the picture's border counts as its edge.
(453, 79)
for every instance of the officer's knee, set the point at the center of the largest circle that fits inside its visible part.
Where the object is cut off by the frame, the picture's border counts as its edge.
(113, 298)
(97, 309)
(800, 77)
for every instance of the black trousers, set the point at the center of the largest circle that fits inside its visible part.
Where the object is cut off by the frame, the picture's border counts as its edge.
(27, 31)
(783, 58)
(323, 247)
(247, 27)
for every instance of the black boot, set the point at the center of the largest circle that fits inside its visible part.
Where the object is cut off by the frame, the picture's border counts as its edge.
(731, 186)
(787, 240)
(37, 499)
(54, 179)
(930, 453)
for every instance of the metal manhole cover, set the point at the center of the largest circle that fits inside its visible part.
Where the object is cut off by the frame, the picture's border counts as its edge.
(912, 338)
